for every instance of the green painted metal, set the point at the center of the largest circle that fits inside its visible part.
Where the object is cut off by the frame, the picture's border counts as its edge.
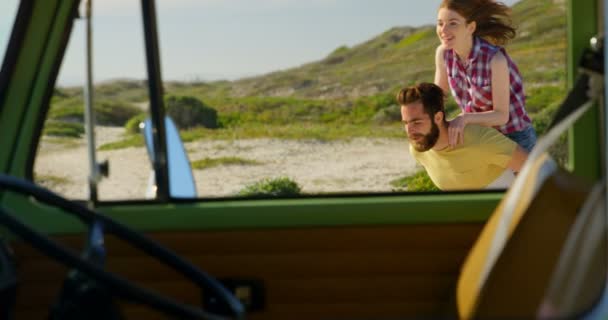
(46, 219)
(40, 86)
(24, 103)
(330, 212)
(406, 209)
(584, 140)
(285, 213)
(14, 107)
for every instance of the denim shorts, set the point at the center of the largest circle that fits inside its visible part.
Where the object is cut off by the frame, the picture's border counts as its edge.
(525, 138)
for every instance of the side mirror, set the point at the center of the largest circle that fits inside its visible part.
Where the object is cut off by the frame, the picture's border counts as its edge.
(181, 180)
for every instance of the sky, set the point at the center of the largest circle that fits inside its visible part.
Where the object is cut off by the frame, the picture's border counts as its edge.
(227, 39)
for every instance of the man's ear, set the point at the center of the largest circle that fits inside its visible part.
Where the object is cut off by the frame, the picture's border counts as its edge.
(439, 115)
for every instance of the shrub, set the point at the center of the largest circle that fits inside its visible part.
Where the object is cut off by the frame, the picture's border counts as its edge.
(365, 108)
(417, 182)
(132, 125)
(114, 113)
(391, 114)
(340, 50)
(542, 119)
(337, 56)
(63, 129)
(188, 112)
(229, 120)
(541, 98)
(110, 113)
(272, 187)
(71, 109)
(540, 122)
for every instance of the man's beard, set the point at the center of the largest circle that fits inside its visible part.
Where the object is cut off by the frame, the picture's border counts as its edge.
(428, 140)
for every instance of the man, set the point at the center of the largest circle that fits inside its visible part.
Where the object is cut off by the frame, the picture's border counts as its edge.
(486, 159)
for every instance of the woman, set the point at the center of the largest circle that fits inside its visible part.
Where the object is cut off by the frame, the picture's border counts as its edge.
(483, 79)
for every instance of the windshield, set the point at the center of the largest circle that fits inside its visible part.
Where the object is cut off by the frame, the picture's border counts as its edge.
(277, 103)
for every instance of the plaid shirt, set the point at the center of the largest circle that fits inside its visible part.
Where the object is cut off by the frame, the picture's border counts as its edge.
(471, 86)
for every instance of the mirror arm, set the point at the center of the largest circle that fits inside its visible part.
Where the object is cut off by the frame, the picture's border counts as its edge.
(95, 174)
(157, 111)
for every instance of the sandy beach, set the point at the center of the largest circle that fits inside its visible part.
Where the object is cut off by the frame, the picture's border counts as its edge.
(360, 164)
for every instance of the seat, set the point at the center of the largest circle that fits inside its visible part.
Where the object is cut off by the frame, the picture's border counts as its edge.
(509, 269)
(579, 279)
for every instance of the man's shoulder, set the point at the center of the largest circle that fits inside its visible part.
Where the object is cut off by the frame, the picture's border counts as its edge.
(475, 135)
(475, 129)
(480, 133)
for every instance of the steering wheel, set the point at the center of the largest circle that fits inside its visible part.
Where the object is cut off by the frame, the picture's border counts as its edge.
(117, 286)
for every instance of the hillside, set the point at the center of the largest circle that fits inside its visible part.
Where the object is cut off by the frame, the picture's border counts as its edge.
(399, 56)
(349, 87)
(405, 55)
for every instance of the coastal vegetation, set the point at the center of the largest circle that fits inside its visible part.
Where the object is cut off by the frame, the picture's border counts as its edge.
(347, 94)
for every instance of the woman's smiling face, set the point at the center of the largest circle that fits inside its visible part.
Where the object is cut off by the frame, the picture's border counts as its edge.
(453, 29)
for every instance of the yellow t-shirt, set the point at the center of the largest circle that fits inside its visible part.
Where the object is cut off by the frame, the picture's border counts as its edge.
(473, 165)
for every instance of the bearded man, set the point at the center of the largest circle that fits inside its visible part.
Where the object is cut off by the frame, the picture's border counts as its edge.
(485, 159)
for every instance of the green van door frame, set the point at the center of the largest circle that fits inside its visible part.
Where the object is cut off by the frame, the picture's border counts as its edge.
(27, 93)
(404, 209)
(584, 138)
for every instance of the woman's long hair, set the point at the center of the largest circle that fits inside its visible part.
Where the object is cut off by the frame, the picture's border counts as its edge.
(493, 19)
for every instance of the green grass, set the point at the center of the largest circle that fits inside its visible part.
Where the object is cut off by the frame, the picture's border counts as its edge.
(415, 183)
(296, 131)
(340, 50)
(65, 142)
(50, 182)
(63, 129)
(131, 141)
(132, 125)
(130, 91)
(282, 186)
(207, 163)
(67, 108)
(106, 112)
(415, 37)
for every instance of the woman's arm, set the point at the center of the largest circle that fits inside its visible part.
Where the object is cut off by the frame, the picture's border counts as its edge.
(499, 115)
(441, 75)
(500, 100)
